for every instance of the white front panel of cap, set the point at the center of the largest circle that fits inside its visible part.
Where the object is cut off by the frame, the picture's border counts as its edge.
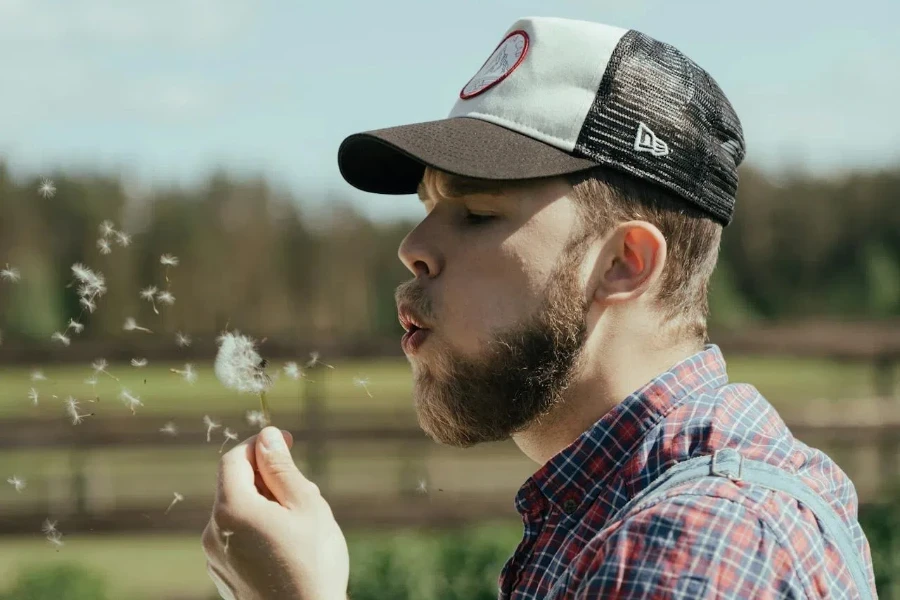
(543, 83)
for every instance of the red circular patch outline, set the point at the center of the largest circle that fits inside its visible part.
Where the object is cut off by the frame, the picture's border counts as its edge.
(524, 35)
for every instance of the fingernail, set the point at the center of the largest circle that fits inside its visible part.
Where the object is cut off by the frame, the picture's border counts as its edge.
(272, 440)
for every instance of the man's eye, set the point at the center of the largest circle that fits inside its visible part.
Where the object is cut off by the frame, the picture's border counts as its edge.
(476, 219)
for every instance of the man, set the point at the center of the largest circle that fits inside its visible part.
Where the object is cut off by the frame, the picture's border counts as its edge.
(575, 199)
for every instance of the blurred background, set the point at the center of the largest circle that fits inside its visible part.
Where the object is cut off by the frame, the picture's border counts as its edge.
(208, 130)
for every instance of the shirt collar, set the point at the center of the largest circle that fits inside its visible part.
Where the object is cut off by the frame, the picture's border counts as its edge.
(573, 476)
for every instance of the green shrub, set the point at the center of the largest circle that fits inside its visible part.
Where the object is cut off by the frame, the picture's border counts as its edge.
(57, 582)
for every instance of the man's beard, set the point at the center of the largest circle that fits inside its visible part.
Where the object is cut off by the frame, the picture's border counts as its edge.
(521, 379)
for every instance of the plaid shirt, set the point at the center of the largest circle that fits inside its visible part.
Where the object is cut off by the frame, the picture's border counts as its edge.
(710, 538)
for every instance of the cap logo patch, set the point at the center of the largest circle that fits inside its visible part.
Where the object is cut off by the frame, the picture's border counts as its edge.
(509, 54)
(646, 141)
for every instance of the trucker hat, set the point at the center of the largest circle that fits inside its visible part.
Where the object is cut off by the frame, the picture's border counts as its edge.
(559, 96)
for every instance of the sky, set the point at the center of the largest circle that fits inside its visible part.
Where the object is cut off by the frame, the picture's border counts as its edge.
(165, 91)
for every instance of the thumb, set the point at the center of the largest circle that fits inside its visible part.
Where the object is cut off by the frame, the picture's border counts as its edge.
(276, 466)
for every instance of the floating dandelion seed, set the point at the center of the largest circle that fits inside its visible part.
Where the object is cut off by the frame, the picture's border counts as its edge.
(178, 498)
(130, 400)
(149, 294)
(123, 239)
(33, 396)
(131, 325)
(92, 381)
(188, 373)
(88, 304)
(49, 527)
(100, 365)
(61, 338)
(229, 435)
(107, 228)
(72, 410)
(292, 370)
(139, 362)
(168, 260)
(103, 246)
(75, 326)
(166, 298)
(182, 339)
(363, 383)
(16, 482)
(423, 487)
(169, 429)
(46, 189)
(10, 274)
(38, 375)
(240, 367)
(256, 417)
(210, 425)
(92, 285)
(314, 360)
(227, 535)
(56, 539)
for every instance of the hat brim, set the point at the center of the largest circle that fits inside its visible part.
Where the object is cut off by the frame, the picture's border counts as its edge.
(393, 160)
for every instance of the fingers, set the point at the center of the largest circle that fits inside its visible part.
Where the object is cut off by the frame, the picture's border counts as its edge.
(279, 473)
(238, 470)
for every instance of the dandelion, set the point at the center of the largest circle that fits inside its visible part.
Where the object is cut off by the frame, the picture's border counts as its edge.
(240, 367)
(314, 360)
(256, 417)
(210, 425)
(103, 246)
(100, 365)
(47, 189)
(166, 298)
(178, 498)
(182, 339)
(75, 326)
(131, 325)
(16, 482)
(11, 274)
(139, 362)
(33, 396)
(91, 285)
(227, 535)
(38, 375)
(61, 338)
(130, 400)
(123, 239)
(168, 261)
(229, 435)
(72, 410)
(363, 383)
(169, 429)
(188, 373)
(49, 527)
(107, 228)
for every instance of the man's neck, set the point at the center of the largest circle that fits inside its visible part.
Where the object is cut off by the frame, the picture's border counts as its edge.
(605, 382)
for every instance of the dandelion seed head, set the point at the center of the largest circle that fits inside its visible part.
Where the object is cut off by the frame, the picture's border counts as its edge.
(103, 246)
(169, 260)
(169, 428)
(178, 497)
(148, 292)
(75, 326)
(166, 298)
(10, 274)
(47, 189)
(423, 486)
(130, 400)
(130, 324)
(139, 362)
(38, 375)
(238, 363)
(292, 370)
(229, 434)
(182, 339)
(49, 527)
(60, 337)
(208, 421)
(16, 482)
(99, 365)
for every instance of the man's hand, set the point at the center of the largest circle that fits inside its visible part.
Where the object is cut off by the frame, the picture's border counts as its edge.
(272, 535)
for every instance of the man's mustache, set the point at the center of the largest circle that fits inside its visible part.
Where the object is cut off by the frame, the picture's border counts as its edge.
(414, 295)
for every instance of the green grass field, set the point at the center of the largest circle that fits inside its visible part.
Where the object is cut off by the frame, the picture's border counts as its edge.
(784, 383)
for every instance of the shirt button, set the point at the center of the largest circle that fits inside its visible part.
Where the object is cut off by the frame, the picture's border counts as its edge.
(569, 506)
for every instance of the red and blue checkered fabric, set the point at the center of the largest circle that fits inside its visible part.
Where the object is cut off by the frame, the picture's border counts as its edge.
(712, 538)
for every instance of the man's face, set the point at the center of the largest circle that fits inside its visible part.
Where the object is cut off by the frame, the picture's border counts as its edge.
(498, 284)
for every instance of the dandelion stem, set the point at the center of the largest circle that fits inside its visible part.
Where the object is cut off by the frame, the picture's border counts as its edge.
(264, 404)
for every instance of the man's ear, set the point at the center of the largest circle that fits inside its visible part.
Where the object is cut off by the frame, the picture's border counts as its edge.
(631, 260)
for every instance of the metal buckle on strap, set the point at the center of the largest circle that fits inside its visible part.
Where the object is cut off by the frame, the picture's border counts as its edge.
(715, 470)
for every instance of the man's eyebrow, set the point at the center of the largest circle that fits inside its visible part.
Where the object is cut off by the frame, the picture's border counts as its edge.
(457, 187)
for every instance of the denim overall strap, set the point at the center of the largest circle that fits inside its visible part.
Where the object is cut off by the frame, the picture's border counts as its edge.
(728, 462)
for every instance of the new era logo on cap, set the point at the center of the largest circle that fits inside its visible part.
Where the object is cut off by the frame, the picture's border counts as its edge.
(558, 96)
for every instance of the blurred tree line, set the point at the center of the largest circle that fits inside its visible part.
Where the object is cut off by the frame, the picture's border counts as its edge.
(256, 259)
